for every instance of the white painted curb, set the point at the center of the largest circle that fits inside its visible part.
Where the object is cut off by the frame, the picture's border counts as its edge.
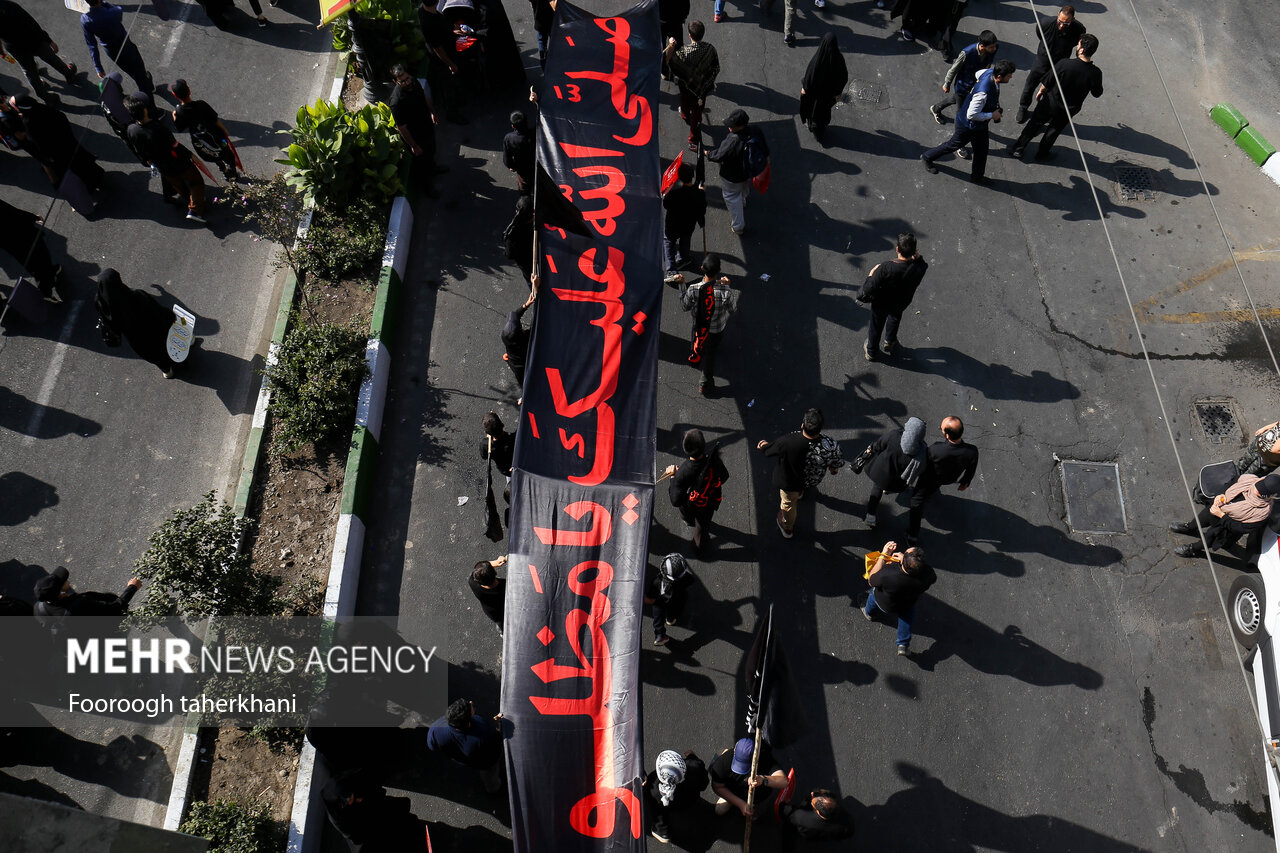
(1271, 168)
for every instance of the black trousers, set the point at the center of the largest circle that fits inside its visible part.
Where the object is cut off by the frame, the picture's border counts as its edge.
(1045, 115)
(26, 57)
(1037, 73)
(978, 136)
(882, 322)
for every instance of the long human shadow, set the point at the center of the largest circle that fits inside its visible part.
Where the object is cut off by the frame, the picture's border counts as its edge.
(1076, 201)
(1132, 141)
(1006, 651)
(958, 824)
(34, 789)
(125, 765)
(27, 417)
(994, 381)
(24, 497)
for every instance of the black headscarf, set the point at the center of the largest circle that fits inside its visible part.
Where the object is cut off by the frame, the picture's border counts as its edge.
(137, 316)
(826, 74)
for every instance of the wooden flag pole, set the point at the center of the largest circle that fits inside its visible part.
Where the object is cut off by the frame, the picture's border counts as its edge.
(751, 795)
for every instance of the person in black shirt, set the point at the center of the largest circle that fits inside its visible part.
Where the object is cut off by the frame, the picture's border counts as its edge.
(515, 338)
(897, 581)
(50, 140)
(416, 120)
(489, 589)
(518, 151)
(888, 290)
(819, 818)
(56, 599)
(26, 41)
(209, 136)
(951, 460)
(696, 485)
(499, 444)
(898, 460)
(1054, 40)
(1079, 79)
(735, 172)
(667, 590)
(153, 142)
(686, 207)
(22, 236)
(804, 458)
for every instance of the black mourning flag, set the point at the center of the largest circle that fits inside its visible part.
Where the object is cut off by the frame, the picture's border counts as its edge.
(773, 704)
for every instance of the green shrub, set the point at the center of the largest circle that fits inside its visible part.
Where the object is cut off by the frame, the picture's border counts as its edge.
(276, 738)
(338, 156)
(232, 827)
(195, 568)
(341, 243)
(314, 382)
(404, 37)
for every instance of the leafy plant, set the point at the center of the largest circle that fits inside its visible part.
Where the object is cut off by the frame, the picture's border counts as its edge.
(404, 36)
(314, 382)
(195, 568)
(342, 242)
(338, 156)
(232, 827)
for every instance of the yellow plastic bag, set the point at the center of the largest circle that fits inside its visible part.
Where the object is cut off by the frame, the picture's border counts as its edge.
(871, 558)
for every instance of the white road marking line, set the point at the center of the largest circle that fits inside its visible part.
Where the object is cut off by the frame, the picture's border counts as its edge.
(51, 375)
(171, 47)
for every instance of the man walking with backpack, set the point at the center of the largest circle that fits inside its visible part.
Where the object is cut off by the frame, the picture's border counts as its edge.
(696, 485)
(804, 458)
(742, 156)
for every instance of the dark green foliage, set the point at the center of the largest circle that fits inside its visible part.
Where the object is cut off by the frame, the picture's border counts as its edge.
(314, 382)
(232, 827)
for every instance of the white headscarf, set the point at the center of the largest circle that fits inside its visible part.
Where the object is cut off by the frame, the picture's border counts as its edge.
(670, 770)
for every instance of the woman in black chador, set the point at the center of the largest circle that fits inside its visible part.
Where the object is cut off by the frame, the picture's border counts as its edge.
(823, 84)
(135, 316)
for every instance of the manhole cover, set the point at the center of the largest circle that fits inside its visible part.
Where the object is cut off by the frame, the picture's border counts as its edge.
(1136, 183)
(1094, 501)
(869, 94)
(1218, 420)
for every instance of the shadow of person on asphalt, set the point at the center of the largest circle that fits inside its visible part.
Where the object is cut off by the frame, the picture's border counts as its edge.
(24, 498)
(126, 765)
(993, 381)
(35, 789)
(958, 824)
(26, 417)
(1006, 652)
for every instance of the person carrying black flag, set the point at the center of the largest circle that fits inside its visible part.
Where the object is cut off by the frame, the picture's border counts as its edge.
(774, 715)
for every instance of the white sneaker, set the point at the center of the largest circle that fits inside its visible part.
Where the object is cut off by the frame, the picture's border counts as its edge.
(820, 3)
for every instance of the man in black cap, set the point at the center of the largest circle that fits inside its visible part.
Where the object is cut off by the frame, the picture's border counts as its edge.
(742, 155)
(56, 599)
(1245, 506)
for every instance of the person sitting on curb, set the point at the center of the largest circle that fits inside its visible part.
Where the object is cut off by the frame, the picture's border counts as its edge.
(1245, 506)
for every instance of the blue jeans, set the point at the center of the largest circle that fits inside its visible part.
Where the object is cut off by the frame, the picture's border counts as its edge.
(904, 619)
(719, 7)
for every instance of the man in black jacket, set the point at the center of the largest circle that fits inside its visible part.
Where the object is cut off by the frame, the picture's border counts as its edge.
(686, 207)
(1078, 78)
(1056, 38)
(888, 291)
(951, 460)
(735, 169)
(56, 599)
(519, 151)
(26, 41)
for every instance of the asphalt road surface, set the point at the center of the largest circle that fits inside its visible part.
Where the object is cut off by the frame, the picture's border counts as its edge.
(98, 449)
(1068, 691)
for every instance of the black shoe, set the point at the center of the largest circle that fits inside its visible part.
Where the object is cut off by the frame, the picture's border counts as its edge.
(1021, 117)
(928, 165)
(889, 347)
(1044, 155)
(1191, 549)
(937, 115)
(1016, 153)
(1186, 528)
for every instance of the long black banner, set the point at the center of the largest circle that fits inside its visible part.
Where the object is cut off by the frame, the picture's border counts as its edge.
(582, 489)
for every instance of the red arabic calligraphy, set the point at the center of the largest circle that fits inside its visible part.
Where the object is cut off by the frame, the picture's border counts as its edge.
(627, 106)
(595, 814)
(610, 359)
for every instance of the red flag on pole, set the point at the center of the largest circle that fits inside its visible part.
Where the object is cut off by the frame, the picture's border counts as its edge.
(672, 173)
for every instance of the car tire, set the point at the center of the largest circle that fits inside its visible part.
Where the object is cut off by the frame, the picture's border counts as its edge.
(1246, 603)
